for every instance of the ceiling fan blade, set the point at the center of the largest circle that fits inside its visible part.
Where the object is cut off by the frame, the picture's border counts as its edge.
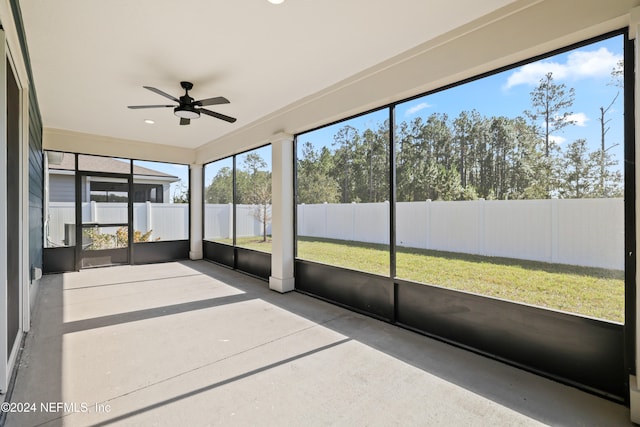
(217, 115)
(212, 101)
(137, 107)
(159, 92)
(184, 121)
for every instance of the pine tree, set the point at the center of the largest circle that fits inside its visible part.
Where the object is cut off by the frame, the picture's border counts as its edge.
(578, 176)
(220, 191)
(346, 140)
(315, 184)
(550, 102)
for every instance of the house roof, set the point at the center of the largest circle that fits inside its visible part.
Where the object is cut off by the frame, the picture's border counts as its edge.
(105, 164)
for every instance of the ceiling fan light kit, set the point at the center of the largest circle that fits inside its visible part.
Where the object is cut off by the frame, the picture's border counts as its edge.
(186, 112)
(187, 107)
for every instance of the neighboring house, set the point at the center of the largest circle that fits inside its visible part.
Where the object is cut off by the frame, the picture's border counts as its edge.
(148, 184)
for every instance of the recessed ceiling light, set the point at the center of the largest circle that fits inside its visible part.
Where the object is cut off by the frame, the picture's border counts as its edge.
(276, 1)
(149, 121)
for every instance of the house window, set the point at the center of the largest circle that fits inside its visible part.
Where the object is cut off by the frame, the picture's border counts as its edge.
(101, 191)
(153, 193)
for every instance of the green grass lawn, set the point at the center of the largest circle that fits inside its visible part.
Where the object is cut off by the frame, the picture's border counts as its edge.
(593, 292)
(588, 291)
(254, 242)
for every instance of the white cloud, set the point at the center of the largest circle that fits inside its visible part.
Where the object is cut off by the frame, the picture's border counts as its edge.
(580, 64)
(413, 110)
(531, 74)
(580, 119)
(598, 63)
(558, 140)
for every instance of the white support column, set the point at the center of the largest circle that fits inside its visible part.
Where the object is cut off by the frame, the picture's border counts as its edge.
(634, 391)
(282, 256)
(195, 200)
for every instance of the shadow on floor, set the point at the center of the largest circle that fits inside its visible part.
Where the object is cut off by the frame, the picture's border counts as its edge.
(42, 367)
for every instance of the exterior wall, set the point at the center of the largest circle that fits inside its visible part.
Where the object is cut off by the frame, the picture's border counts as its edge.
(21, 201)
(36, 177)
(62, 188)
(36, 170)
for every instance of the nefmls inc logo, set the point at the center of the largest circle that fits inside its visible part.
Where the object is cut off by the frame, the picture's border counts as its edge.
(66, 407)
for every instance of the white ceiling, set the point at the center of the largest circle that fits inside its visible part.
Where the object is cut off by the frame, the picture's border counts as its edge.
(90, 58)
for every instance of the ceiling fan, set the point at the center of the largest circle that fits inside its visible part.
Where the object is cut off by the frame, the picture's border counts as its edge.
(188, 108)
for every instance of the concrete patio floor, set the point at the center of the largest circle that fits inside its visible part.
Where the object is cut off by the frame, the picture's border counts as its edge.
(194, 344)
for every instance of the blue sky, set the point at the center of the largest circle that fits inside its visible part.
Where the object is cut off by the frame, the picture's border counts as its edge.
(214, 167)
(587, 70)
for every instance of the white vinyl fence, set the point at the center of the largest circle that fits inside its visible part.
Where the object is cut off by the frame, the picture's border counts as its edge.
(168, 221)
(218, 221)
(586, 232)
